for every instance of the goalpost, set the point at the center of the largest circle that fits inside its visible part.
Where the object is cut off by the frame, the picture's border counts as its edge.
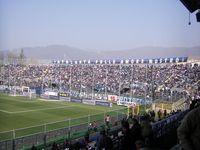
(26, 91)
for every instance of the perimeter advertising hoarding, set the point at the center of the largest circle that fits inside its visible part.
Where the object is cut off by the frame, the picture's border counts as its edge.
(64, 96)
(44, 96)
(76, 100)
(90, 102)
(50, 93)
(103, 103)
(53, 97)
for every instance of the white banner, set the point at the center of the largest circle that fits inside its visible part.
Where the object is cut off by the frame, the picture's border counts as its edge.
(51, 93)
(112, 98)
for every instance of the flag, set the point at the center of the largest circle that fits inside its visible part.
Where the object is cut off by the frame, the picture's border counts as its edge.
(138, 109)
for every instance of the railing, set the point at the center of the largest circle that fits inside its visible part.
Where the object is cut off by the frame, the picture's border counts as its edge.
(42, 134)
(164, 126)
(180, 105)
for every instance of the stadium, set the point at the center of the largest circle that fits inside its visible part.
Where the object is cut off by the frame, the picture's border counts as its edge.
(49, 103)
(99, 75)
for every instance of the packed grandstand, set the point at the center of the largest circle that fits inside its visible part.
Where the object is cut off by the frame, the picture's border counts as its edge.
(164, 81)
(138, 82)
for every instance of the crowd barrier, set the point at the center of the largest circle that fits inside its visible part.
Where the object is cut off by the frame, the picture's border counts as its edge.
(43, 134)
(164, 126)
(65, 97)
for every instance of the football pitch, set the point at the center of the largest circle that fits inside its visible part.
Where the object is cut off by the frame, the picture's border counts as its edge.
(21, 112)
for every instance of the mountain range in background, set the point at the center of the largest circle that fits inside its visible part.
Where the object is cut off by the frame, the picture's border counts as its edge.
(71, 53)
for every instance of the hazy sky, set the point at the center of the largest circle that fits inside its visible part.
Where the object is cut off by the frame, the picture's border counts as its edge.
(96, 24)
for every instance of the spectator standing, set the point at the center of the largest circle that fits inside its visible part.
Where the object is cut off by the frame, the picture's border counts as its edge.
(159, 115)
(107, 120)
(146, 130)
(104, 142)
(165, 113)
(126, 140)
(189, 130)
(135, 130)
(94, 126)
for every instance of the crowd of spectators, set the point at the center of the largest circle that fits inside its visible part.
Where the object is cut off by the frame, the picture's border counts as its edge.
(142, 133)
(163, 81)
(136, 133)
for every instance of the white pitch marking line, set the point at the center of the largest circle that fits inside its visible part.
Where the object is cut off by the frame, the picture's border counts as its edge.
(52, 100)
(5, 111)
(24, 111)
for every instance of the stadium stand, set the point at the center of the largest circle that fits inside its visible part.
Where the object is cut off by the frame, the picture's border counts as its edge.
(170, 82)
(174, 82)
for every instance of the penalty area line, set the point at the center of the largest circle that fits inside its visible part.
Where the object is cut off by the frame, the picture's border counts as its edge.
(25, 111)
(4, 111)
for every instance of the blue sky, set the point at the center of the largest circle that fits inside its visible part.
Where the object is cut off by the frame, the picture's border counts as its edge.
(96, 24)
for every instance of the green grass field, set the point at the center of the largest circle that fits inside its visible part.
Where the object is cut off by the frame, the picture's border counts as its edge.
(21, 112)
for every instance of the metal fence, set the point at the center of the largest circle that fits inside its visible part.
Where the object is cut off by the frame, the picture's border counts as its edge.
(42, 134)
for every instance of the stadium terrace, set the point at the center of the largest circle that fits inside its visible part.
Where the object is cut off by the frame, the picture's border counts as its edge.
(164, 79)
